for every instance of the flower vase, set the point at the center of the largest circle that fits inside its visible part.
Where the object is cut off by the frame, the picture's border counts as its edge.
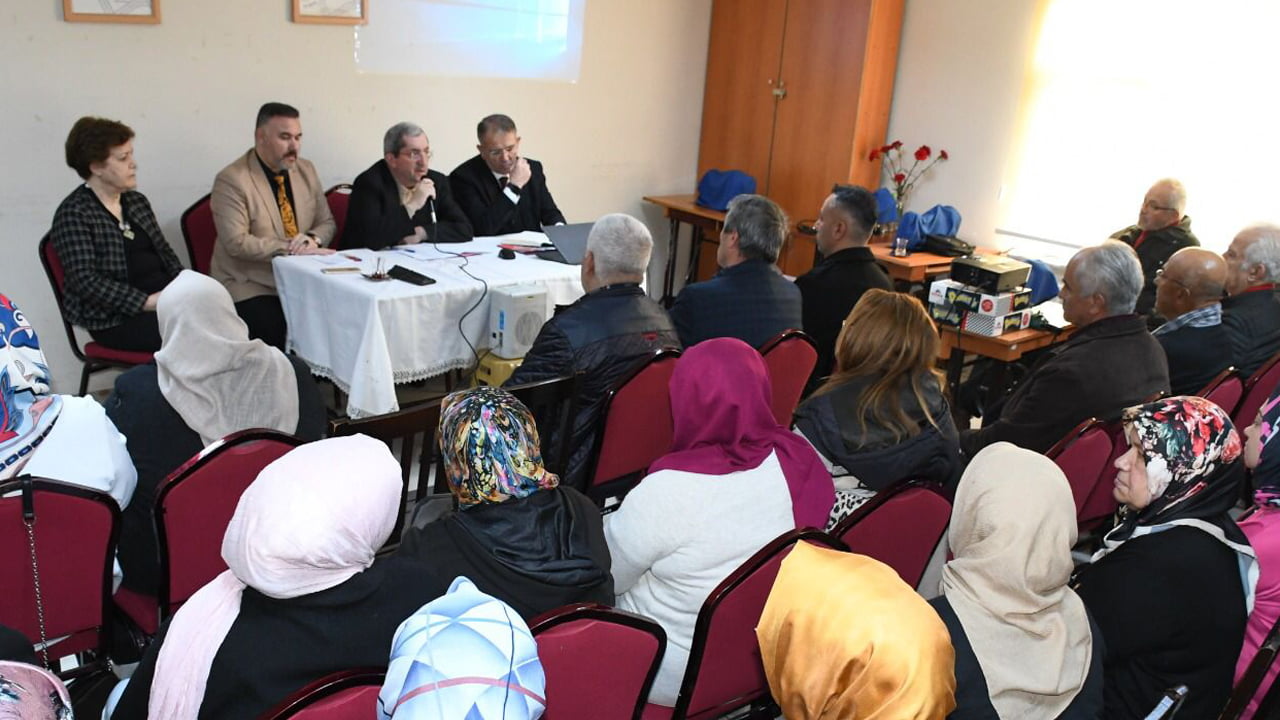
(899, 247)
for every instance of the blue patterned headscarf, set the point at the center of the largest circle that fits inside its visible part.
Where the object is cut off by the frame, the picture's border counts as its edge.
(490, 447)
(464, 655)
(27, 409)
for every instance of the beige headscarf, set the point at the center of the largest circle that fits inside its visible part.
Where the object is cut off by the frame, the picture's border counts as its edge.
(843, 638)
(1012, 528)
(216, 378)
(303, 526)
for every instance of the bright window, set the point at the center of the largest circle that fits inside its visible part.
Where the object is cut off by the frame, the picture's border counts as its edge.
(1124, 92)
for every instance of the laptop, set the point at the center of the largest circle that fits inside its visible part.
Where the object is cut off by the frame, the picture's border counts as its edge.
(570, 242)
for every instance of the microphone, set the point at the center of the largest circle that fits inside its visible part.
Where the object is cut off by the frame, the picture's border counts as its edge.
(431, 206)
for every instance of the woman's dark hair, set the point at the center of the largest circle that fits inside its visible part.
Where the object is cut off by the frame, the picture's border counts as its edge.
(889, 337)
(91, 140)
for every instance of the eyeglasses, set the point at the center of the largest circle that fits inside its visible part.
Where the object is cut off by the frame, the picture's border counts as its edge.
(416, 154)
(1161, 277)
(496, 153)
(1151, 205)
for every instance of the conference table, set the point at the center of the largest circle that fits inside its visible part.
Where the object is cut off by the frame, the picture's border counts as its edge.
(1007, 348)
(684, 210)
(367, 336)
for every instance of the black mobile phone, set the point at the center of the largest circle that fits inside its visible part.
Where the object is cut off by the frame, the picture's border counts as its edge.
(413, 277)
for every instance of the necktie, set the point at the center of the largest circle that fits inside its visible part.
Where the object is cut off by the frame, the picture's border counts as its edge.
(286, 208)
(502, 182)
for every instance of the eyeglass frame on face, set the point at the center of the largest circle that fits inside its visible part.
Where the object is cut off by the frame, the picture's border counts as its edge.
(500, 151)
(1151, 205)
(415, 153)
(1161, 277)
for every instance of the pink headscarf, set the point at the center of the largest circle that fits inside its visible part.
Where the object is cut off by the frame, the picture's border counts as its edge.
(28, 692)
(723, 422)
(303, 526)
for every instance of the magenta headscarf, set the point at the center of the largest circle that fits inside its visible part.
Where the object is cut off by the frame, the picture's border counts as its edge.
(723, 423)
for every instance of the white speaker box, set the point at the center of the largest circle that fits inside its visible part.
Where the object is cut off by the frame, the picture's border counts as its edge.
(516, 314)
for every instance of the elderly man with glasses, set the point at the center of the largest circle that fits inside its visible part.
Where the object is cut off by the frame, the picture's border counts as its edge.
(1162, 230)
(1251, 313)
(1189, 293)
(501, 190)
(400, 200)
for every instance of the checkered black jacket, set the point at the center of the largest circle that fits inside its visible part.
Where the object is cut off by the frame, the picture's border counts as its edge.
(90, 245)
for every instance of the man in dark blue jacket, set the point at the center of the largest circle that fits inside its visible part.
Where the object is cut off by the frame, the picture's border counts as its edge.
(604, 334)
(1189, 293)
(748, 299)
(1251, 314)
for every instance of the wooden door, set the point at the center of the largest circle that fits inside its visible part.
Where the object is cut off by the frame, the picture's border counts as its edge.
(743, 61)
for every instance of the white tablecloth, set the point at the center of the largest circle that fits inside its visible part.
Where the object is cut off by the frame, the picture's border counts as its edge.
(367, 336)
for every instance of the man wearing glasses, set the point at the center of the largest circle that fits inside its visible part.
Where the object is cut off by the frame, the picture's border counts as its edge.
(400, 200)
(1251, 312)
(1162, 230)
(499, 190)
(1189, 294)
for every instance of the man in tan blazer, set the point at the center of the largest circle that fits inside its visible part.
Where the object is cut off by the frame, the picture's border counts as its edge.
(266, 203)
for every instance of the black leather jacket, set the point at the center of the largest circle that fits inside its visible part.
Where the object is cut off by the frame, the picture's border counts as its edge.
(603, 334)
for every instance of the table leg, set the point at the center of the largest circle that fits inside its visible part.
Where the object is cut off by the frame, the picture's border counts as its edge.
(694, 253)
(955, 366)
(669, 275)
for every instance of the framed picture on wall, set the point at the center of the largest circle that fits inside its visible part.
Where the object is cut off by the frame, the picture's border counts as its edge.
(111, 11)
(331, 12)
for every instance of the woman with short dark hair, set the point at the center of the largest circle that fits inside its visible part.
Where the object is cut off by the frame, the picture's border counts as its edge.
(114, 257)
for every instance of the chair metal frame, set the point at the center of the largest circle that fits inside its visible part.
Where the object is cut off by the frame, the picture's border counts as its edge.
(706, 614)
(595, 611)
(90, 360)
(1247, 687)
(325, 687)
(28, 485)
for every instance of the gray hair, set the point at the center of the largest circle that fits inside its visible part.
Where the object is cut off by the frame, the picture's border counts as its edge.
(393, 141)
(1177, 197)
(1111, 270)
(1264, 250)
(621, 246)
(761, 226)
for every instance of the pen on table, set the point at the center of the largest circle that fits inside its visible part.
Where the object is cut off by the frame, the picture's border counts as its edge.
(351, 257)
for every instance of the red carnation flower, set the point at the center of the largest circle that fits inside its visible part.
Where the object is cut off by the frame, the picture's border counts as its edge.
(899, 178)
(942, 155)
(922, 153)
(875, 155)
(896, 144)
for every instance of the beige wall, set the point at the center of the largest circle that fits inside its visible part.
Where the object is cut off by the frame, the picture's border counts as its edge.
(191, 86)
(961, 70)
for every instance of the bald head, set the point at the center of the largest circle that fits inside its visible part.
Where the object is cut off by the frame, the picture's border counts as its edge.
(1192, 278)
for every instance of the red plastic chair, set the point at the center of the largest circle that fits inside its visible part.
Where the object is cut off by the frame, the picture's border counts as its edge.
(75, 533)
(1257, 389)
(344, 695)
(339, 196)
(635, 427)
(599, 662)
(1082, 456)
(1225, 390)
(790, 358)
(724, 637)
(1259, 666)
(194, 505)
(1101, 503)
(900, 527)
(199, 233)
(94, 356)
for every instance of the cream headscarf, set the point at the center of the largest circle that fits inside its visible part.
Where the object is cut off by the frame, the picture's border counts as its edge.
(303, 526)
(843, 638)
(1012, 528)
(216, 378)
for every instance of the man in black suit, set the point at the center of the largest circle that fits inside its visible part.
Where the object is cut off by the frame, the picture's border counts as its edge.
(399, 201)
(848, 269)
(500, 191)
(1189, 293)
(1252, 313)
(748, 299)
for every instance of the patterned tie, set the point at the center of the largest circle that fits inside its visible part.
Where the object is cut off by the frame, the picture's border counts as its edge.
(286, 208)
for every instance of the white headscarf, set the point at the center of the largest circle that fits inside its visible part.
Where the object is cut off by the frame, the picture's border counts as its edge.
(303, 526)
(216, 378)
(1012, 528)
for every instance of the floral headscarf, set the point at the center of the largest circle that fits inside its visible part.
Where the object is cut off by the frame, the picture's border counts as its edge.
(1194, 471)
(1266, 476)
(490, 447)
